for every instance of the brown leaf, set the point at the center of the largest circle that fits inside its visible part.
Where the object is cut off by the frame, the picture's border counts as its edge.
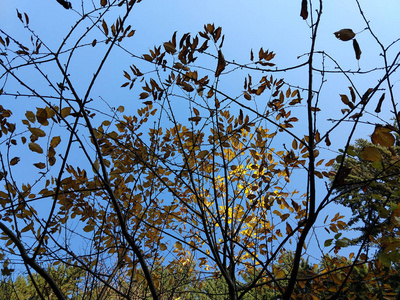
(26, 18)
(346, 101)
(105, 28)
(147, 57)
(40, 165)
(65, 112)
(289, 229)
(382, 136)
(65, 4)
(357, 49)
(35, 148)
(37, 131)
(378, 107)
(345, 34)
(14, 161)
(356, 116)
(194, 119)
(327, 140)
(143, 95)
(246, 95)
(169, 47)
(55, 141)
(304, 11)
(221, 64)
(353, 95)
(41, 116)
(103, 2)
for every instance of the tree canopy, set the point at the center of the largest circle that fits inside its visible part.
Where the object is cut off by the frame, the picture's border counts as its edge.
(221, 179)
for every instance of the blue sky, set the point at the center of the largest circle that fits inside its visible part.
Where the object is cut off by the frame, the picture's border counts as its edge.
(273, 25)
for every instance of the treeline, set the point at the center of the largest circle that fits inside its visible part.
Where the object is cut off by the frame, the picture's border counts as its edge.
(315, 281)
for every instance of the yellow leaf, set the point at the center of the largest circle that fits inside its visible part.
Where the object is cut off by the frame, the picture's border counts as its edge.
(329, 163)
(35, 148)
(294, 144)
(371, 154)
(382, 136)
(280, 274)
(178, 245)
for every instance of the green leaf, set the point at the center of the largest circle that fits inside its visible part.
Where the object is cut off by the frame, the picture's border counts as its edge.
(371, 154)
(384, 259)
(328, 242)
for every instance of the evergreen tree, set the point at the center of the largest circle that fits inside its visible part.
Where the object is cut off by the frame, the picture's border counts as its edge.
(370, 188)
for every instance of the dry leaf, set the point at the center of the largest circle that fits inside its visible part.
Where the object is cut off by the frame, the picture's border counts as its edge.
(357, 49)
(221, 64)
(246, 95)
(14, 161)
(345, 34)
(304, 11)
(65, 4)
(327, 140)
(382, 136)
(378, 107)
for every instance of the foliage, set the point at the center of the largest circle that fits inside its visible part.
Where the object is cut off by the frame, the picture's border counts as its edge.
(370, 189)
(194, 191)
(67, 278)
